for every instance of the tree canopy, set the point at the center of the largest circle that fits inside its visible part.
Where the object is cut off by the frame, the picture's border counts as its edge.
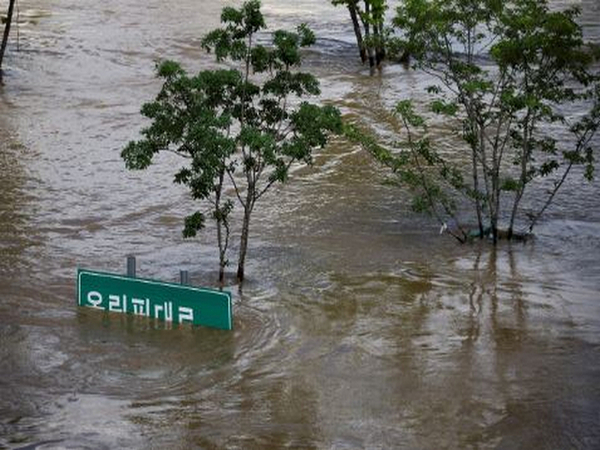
(242, 128)
(506, 72)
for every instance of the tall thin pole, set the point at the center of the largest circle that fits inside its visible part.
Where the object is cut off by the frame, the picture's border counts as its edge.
(184, 277)
(11, 8)
(131, 266)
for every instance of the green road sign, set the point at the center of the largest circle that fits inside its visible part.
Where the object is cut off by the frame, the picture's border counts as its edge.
(165, 301)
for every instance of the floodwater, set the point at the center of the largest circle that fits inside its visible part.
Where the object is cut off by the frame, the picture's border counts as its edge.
(359, 326)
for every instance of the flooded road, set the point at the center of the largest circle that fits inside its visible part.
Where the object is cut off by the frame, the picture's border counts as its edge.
(359, 326)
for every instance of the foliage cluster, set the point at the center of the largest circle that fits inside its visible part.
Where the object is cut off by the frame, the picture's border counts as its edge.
(506, 73)
(240, 128)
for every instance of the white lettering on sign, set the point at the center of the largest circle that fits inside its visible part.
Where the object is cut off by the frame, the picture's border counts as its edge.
(117, 303)
(141, 307)
(166, 309)
(178, 305)
(186, 314)
(95, 299)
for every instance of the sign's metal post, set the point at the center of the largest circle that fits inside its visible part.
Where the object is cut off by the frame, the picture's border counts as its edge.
(184, 277)
(131, 266)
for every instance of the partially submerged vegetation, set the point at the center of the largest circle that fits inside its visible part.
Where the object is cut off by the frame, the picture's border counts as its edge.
(368, 22)
(505, 74)
(507, 112)
(238, 128)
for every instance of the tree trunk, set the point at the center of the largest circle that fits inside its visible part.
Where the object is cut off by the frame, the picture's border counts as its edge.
(477, 199)
(222, 250)
(357, 31)
(11, 7)
(475, 174)
(495, 204)
(525, 157)
(557, 186)
(244, 243)
(221, 224)
(513, 214)
(490, 180)
(221, 274)
(380, 47)
(494, 228)
(369, 45)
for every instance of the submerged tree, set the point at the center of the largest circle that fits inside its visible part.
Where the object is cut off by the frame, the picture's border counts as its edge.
(7, 24)
(239, 128)
(507, 73)
(368, 17)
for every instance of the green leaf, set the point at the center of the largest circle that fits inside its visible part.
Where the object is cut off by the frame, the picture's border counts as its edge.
(510, 185)
(193, 224)
(307, 36)
(445, 108)
(406, 110)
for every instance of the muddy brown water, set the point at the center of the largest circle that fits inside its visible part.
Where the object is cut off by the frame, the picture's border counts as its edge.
(359, 326)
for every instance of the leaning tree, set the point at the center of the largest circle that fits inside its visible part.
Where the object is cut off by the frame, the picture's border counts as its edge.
(7, 24)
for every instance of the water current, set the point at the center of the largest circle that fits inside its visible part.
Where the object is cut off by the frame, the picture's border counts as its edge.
(358, 327)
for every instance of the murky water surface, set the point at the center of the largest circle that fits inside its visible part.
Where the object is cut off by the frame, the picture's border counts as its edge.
(359, 326)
